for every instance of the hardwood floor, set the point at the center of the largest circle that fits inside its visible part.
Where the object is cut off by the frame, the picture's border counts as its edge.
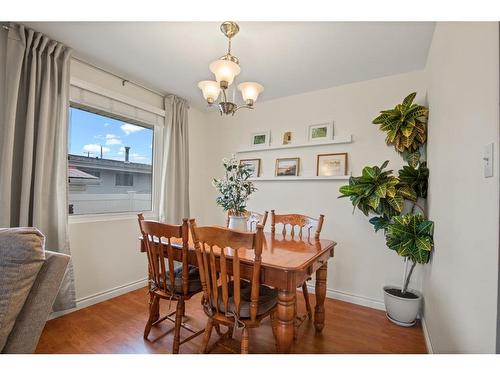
(116, 326)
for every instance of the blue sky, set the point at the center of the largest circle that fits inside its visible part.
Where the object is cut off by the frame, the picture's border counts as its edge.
(89, 131)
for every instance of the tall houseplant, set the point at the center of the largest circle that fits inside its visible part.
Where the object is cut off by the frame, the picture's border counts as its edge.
(394, 201)
(234, 190)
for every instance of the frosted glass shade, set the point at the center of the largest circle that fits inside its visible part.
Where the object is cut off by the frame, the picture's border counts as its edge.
(224, 70)
(210, 90)
(250, 90)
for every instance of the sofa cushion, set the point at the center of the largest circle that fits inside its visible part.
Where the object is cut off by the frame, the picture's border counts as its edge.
(21, 257)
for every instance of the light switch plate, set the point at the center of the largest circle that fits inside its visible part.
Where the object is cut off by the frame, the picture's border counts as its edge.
(488, 160)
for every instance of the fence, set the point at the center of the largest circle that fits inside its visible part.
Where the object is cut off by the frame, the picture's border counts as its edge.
(108, 203)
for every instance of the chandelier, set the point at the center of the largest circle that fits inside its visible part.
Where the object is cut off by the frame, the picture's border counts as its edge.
(225, 70)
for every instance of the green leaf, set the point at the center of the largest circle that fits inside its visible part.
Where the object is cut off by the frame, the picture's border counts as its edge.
(409, 99)
(379, 222)
(396, 202)
(407, 192)
(423, 243)
(368, 172)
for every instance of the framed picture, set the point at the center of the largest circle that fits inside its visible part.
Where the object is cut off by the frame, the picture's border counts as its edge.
(287, 138)
(253, 165)
(332, 164)
(261, 139)
(320, 132)
(287, 167)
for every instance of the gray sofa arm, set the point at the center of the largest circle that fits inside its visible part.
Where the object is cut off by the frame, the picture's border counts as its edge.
(30, 322)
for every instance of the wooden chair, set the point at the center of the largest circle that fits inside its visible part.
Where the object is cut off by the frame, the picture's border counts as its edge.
(303, 223)
(253, 219)
(166, 280)
(228, 299)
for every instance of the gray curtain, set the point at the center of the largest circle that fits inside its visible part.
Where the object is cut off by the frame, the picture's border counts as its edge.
(174, 193)
(33, 142)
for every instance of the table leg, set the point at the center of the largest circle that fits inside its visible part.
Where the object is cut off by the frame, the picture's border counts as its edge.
(319, 310)
(286, 320)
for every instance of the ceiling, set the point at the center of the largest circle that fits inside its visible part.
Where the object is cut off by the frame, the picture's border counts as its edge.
(288, 58)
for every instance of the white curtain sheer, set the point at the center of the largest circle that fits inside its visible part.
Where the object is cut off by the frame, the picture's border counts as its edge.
(174, 193)
(33, 143)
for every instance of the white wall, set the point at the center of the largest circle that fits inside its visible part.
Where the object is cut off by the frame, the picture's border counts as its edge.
(362, 263)
(460, 284)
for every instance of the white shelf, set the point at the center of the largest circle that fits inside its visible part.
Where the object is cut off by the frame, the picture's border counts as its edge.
(336, 140)
(299, 178)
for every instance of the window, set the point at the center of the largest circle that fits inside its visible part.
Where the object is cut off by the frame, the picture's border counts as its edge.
(110, 161)
(124, 179)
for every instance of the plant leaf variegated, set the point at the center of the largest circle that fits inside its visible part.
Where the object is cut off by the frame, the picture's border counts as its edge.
(414, 181)
(234, 188)
(374, 191)
(410, 236)
(405, 125)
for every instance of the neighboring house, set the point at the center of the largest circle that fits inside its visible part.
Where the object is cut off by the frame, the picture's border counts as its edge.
(111, 185)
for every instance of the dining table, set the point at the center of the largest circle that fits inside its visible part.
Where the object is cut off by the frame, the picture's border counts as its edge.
(287, 262)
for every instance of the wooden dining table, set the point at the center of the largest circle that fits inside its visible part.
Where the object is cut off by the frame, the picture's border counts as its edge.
(287, 262)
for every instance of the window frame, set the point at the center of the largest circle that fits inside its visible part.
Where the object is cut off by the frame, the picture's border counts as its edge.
(156, 169)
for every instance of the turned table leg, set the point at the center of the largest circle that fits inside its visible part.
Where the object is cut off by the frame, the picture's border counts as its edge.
(286, 320)
(319, 310)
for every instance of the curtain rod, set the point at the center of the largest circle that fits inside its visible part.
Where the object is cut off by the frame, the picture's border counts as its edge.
(124, 80)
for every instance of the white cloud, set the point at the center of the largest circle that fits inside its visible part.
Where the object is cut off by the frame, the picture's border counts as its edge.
(129, 128)
(112, 139)
(134, 157)
(96, 149)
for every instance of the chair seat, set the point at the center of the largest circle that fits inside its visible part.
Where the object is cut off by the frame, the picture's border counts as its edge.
(193, 276)
(268, 298)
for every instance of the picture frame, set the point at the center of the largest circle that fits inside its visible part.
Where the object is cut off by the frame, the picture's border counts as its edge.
(254, 164)
(320, 132)
(329, 165)
(261, 139)
(287, 167)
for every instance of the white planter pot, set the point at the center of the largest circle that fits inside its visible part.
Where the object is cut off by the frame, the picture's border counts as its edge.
(238, 223)
(402, 311)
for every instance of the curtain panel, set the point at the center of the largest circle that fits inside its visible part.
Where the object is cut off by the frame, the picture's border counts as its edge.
(174, 193)
(33, 143)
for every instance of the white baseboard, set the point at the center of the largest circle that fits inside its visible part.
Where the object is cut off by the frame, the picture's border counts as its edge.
(427, 338)
(102, 296)
(351, 298)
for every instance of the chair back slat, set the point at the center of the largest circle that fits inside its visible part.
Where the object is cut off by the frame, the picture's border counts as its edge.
(302, 222)
(236, 282)
(224, 280)
(229, 242)
(156, 238)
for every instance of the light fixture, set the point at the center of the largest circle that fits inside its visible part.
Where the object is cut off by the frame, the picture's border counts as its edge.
(225, 70)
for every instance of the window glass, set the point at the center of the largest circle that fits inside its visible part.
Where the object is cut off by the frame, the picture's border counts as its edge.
(110, 164)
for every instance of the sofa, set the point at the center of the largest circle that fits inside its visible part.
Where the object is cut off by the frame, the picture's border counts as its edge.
(30, 278)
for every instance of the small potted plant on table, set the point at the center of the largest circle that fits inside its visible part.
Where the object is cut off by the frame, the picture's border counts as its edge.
(234, 190)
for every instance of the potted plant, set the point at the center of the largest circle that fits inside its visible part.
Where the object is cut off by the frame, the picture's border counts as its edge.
(234, 190)
(394, 200)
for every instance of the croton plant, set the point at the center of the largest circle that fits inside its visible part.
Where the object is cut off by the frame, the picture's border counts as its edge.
(381, 194)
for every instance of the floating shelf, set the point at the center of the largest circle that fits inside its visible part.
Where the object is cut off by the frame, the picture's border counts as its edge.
(299, 178)
(336, 140)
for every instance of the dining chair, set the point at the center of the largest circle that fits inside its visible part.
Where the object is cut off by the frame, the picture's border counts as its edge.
(168, 280)
(304, 223)
(253, 219)
(228, 299)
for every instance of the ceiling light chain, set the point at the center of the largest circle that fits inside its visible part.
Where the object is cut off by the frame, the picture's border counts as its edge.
(225, 70)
